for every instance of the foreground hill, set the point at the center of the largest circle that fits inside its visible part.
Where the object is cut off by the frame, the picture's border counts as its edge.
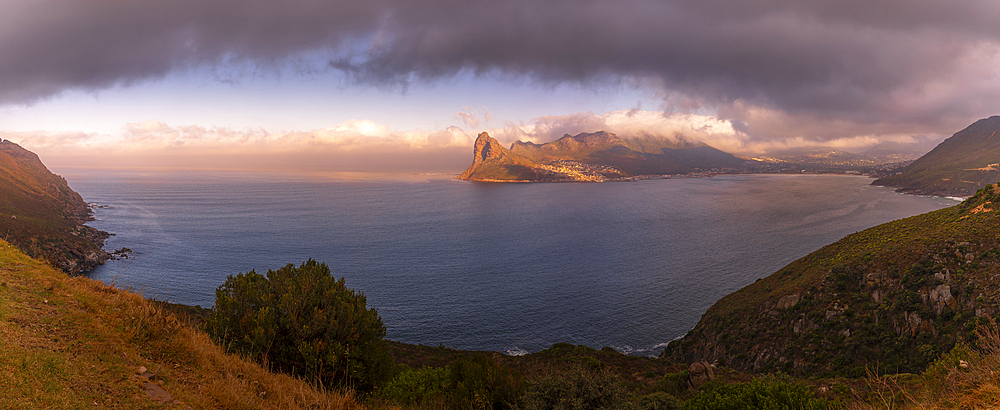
(598, 156)
(892, 298)
(40, 214)
(958, 166)
(72, 342)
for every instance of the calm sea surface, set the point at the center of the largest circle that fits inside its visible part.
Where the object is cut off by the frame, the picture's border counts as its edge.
(508, 267)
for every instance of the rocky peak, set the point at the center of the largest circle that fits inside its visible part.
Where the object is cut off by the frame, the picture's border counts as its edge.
(486, 147)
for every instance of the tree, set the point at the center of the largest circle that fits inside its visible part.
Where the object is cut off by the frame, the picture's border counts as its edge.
(303, 321)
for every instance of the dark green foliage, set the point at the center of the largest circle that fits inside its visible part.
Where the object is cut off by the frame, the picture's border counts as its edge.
(423, 386)
(576, 388)
(476, 382)
(482, 383)
(919, 275)
(845, 278)
(658, 401)
(674, 383)
(304, 321)
(768, 393)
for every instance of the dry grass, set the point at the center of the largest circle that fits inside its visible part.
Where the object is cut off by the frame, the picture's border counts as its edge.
(964, 379)
(71, 342)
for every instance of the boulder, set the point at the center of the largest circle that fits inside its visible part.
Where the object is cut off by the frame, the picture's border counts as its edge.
(700, 373)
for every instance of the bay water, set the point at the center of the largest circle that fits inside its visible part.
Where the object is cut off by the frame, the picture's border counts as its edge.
(500, 267)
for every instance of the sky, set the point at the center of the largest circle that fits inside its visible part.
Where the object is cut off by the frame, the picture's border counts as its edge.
(407, 85)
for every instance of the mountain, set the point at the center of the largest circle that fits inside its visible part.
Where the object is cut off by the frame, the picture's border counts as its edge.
(42, 216)
(958, 166)
(493, 163)
(594, 156)
(832, 158)
(889, 299)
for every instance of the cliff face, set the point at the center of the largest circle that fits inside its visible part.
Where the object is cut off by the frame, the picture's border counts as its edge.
(42, 216)
(492, 162)
(891, 298)
(486, 149)
(959, 166)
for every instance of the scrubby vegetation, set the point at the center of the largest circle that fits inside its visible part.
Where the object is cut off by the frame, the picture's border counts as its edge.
(74, 343)
(765, 393)
(893, 297)
(302, 320)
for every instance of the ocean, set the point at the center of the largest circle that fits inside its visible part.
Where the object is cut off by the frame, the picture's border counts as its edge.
(500, 267)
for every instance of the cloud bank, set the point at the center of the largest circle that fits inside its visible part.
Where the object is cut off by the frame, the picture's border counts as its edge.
(923, 63)
(368, 146)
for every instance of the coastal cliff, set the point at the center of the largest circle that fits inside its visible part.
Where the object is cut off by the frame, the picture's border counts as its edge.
(889, 299)
(42, 216)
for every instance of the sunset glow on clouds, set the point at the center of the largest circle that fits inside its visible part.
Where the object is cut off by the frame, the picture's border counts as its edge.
(192, 83)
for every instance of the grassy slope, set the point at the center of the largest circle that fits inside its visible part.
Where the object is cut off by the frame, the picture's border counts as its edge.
(868, 300)
(71, 342)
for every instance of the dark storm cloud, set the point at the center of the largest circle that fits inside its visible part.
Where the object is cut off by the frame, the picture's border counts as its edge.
(875, 61)
(50, 45)
(841, 58)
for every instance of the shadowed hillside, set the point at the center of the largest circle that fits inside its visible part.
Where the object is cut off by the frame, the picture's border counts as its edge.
(958, 166)
(893, 297)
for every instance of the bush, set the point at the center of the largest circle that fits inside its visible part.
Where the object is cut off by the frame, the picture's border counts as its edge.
(576, 388)
(658, 401)
(768, 393)
(417, 387)
(482, 383)
(477, 382)
(303, 321)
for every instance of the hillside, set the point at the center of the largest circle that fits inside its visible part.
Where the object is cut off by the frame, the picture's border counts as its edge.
(72, 342)
(41, 215)
(892, 298)
(597, 156)
(958, 166)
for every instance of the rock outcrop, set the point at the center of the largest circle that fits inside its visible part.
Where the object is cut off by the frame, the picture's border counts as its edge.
(700, 373)
(487, 149)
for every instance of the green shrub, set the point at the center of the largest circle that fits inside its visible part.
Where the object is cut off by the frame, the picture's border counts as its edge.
(413, 387)
(768, 393)
(481, 382)
(576, 388)
(658, 401)
(303, 321)
(674, 383)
